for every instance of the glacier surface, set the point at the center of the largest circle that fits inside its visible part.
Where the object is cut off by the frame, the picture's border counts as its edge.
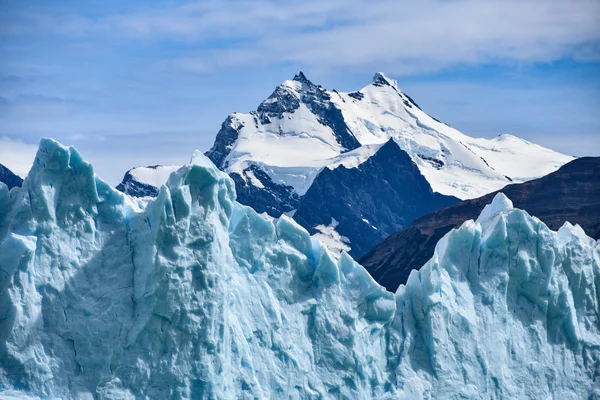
(193, 295)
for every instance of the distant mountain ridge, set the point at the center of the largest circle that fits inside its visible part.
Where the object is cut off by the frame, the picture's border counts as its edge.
(9, 178)
(302, 128)
(570, 194)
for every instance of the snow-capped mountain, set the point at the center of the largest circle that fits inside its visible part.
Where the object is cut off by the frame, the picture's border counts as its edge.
(302, 132)
(302, 128)
(274, 153)
(192, 295)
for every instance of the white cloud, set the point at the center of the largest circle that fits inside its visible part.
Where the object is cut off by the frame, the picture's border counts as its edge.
(407, 35)
(17, 155)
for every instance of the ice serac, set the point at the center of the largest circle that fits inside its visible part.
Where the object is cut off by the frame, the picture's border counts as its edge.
(506, 308)
(194, 296)
(197, 296)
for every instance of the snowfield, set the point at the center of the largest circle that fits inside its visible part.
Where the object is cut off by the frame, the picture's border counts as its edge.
(302, 128)
(155, 176)
(196, 296)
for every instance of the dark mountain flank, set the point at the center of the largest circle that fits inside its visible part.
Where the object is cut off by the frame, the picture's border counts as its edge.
(570, 194)
(370, 201)
(9, 178)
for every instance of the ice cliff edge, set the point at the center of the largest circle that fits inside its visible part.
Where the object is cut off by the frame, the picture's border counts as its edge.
(196, 296)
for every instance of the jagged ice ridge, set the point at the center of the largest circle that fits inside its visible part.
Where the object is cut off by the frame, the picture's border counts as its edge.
(196, 296)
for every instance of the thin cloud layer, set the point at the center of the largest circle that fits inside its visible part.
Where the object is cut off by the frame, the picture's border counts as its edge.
(17, 155)
(412, 36)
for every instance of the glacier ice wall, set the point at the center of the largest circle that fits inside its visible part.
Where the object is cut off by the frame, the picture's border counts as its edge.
(196, 296)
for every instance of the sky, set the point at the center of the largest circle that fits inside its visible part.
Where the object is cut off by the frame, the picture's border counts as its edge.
(146, 82)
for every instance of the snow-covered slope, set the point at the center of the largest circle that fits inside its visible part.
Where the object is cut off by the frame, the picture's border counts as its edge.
(197, 296)
(145, 181)
(302, 128)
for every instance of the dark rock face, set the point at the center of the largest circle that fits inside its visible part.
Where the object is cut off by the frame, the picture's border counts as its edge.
(279, 102)
(226, 137)
(272, 198)
(319, 103)
(8, 178)
(570, 194)
(135, 188)
(384, 194)
(414, 103)
(357, 95)
(380, 80)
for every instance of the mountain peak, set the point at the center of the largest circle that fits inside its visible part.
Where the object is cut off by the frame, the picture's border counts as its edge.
(300, 77)
(380, 79)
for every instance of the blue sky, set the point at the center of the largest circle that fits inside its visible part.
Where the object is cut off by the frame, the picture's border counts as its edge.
(136, 83)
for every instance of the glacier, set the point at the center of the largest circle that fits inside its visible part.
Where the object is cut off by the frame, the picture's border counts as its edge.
(192, 295)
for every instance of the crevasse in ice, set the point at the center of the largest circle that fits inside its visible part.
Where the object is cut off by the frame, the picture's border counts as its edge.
(196, 296)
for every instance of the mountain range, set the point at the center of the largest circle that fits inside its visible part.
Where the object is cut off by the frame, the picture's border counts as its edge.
(302, 128)
(233, 276)
(304, 152)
